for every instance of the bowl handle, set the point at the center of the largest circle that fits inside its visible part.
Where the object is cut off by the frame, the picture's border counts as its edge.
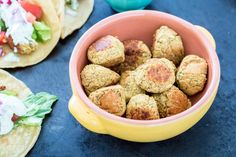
(208, 35)
(84, 115)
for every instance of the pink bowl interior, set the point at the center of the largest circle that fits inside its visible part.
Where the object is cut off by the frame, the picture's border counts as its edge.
(141, 25)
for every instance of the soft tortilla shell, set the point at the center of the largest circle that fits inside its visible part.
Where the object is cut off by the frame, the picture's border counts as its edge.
(71, 23)
(44, 49)
(22, 138)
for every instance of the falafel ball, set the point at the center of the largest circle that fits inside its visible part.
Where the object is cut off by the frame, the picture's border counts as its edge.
(142, 107)
(110, 99)
(136, 53)
(171, 102)
(107, 51)
(95, 76)
(23, 49)
(156, 75)
(127, 81)
(167, 44)
(192, 74)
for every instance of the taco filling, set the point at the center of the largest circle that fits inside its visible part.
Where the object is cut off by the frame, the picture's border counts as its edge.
(21, 28)
(15, 112)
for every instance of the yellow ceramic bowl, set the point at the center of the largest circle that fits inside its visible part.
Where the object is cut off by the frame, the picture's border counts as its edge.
(141, 25)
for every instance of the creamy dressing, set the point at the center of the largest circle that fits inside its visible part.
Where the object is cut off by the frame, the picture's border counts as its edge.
(9, 105)
(70, 11)
(15, 20)
(11, 57)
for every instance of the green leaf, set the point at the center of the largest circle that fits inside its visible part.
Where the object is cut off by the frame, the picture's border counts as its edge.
(34, 35)
(2, 25)
(43, 32)
(8, 92)
(38, 106)
(33, 121)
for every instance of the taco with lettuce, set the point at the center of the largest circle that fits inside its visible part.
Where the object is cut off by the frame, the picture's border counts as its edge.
(29, 30)
(21, 115)
(72, 14)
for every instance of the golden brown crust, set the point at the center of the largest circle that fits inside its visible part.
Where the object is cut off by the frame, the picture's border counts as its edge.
(107, 51)
(191, 75)
(142, 107)
(95, 76)
(110, 99)
(24, 49)
(167, 44)
(156, 75)
(136, 53)
(171, 102)
(2, 87)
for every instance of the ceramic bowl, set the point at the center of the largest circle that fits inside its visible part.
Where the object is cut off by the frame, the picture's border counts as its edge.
(124, 5)
(141, 25)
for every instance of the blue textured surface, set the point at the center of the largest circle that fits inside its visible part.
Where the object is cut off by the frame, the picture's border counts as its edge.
(214, 135)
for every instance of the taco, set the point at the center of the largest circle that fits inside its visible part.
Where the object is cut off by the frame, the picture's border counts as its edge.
(29, 30)
(72, 14)
(21, 115)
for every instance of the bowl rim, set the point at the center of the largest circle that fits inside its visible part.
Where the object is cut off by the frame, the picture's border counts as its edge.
(74, 75)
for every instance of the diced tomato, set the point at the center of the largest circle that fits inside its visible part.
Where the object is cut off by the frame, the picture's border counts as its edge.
(15, 118)
(9, 2)
(30, 17)
(3, 38)
(32, 8)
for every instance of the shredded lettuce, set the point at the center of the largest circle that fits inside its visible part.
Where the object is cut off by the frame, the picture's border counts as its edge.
(2, 26)
(8, 92)
(34, 35)
(41, 32)
(38, 106)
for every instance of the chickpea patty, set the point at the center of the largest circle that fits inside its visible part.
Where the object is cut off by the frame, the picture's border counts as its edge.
(167, 44)
(192, 74)
(142, 107)
(171, 102)
(127, 81)
(23, 49)
(110, 99)
(136, 53)
(107, 51)
(156, 75)
(95, 76)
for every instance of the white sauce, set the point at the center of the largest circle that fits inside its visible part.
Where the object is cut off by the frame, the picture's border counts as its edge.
(9, 105)
(11, 57)
(14, 17)
(70, 11)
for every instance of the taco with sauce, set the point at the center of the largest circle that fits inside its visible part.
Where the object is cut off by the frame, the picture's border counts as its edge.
(21, 115)
(72, 14)
(29, 30)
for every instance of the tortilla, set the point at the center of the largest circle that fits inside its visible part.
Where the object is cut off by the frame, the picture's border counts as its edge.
(22, 138)
(44, 49)
(70, 23)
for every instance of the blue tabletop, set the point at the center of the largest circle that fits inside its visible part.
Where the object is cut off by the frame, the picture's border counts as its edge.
(214, 135)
